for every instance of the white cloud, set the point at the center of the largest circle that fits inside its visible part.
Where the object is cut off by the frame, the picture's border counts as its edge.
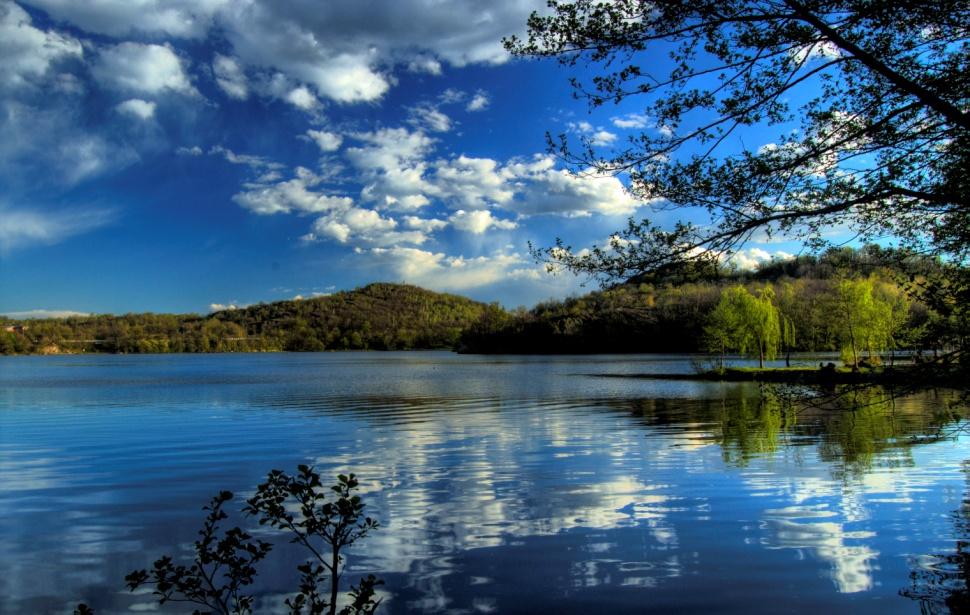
(42, 314)
(136, 107)
(230, 77)
(222, 307)
(392, 164)
(23, 227)
(602, 138)
(596, 136)
(451, 96)
(751, 258)
(195, 150)
(478, 221)
(425, 64)
(291, 39)
(543, 189)
(426, 225)
(81, 156)
(151, 69)
(362, 226)
(438, 271)
(288, 196)
(302, 98)
(27, 53)
(631, 120)
(478, 102)
(429, 118)
(326, 141)
(342, 51)
(269, 169)
(475, 183)
(179, 18)
(53, 144)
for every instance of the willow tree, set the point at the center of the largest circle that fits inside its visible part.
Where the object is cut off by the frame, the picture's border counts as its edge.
(791, 117)
(745, 323)
(869, 318)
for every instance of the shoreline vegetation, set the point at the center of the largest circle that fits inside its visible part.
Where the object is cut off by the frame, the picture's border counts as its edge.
(863, 303)
(927, 374)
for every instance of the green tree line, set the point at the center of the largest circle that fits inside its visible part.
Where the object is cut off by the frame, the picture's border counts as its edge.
(861, 302)
(377, 317)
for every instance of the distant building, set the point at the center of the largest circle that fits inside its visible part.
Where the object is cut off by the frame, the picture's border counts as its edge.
(19, 329)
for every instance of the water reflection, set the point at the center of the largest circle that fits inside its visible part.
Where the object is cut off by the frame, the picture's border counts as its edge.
(501, 486)
(941, 581)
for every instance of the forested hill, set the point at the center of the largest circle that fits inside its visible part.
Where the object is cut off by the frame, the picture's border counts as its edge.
(377, 316)
(812, 297)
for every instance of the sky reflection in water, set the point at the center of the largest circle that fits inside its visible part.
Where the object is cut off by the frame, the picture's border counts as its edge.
(502, 484)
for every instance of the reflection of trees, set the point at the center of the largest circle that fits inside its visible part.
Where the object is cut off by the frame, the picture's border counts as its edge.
(749, 427)
(860, 424)
(850, 428)
(941, 582)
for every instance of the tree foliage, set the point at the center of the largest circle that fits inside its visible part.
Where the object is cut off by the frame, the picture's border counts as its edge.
(661, 316)
(326, 522)
(746, 323)
(222, 568)
(867, 101)
(322, 525)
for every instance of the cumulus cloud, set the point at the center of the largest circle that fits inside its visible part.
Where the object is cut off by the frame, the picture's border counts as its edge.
(529, 187)
(426, 225)
(439, 271)
(26, 52)
(478, 221)
(138, 108)
(392, 165)
(428, 117)
(425, 64)
(292, 195)
(150, 69)
(179, 18)
(602, 137)
(595, 136)
(751, 258)
(547, 190)
(630, 120)
(326, 141)
(342, 51)
(475, 183)
(230, 77)
(362, 227)
(21, 227)
(451, 96)
(478, 102)
(302, 98)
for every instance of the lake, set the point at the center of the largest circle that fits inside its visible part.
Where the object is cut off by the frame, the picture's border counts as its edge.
(502, 484)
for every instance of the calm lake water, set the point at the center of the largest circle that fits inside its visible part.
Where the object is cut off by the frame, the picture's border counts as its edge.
(503, 484)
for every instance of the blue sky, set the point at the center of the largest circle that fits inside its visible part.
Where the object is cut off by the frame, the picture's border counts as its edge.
(183, 155)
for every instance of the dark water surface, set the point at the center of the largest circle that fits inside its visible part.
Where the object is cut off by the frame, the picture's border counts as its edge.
(503, 484)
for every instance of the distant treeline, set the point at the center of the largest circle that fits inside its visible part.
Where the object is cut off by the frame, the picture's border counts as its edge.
(673, 312)
(376, 317)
